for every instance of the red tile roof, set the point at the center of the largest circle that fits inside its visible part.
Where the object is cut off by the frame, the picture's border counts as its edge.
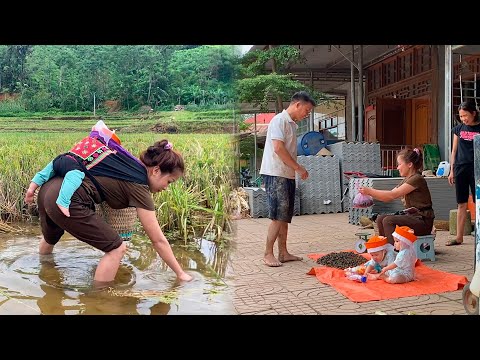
(262, 118)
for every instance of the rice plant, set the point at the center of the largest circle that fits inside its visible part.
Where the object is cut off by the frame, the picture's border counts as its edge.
(195, 205)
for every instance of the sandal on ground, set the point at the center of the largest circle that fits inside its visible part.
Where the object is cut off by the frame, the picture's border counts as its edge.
(452, 242)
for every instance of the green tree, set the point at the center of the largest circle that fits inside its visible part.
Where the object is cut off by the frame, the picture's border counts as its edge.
(65, 77)
(12, 65)
(256, 85)
(202, 71)
(3, 52)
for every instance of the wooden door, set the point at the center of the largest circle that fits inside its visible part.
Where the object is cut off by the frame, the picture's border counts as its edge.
(421, 122)
(391, 121)
(371, 124)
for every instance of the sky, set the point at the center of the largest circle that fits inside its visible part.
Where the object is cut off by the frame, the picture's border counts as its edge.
(244, 48)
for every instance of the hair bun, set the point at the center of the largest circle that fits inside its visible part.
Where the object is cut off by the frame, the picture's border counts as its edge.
(152, 150)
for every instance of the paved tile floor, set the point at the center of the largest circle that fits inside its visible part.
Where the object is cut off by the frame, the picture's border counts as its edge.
(260, 289)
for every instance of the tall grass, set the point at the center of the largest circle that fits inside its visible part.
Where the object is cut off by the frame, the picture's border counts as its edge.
(13, 106)
(194, 206)
(15, 109)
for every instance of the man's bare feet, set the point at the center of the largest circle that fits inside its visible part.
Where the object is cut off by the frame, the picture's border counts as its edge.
(271, 261)
(288, 257)
(64, 210)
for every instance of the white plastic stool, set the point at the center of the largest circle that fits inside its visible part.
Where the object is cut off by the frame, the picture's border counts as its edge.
(424, 246)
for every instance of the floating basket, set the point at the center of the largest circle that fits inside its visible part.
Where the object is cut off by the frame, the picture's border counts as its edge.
(122, 220)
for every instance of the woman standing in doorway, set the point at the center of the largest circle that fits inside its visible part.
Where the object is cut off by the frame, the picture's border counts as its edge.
(461, 163)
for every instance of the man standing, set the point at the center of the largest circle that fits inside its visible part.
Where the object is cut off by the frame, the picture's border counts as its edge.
(279, 165)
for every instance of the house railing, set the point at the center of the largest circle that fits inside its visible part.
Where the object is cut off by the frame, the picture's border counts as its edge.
(389, 155)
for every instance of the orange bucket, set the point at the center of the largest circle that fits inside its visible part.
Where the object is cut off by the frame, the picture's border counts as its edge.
(471, 207)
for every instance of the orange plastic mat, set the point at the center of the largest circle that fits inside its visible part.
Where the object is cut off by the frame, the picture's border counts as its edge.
(428, 281)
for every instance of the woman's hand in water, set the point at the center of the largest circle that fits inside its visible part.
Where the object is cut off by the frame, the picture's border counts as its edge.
(184, 276)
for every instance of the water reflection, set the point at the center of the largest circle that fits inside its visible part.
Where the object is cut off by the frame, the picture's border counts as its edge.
(61, 283)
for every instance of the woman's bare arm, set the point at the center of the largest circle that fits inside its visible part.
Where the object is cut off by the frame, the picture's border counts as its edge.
(160, 242)
(387, 195)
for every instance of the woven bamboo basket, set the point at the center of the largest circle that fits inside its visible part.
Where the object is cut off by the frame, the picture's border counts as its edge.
(121, 220)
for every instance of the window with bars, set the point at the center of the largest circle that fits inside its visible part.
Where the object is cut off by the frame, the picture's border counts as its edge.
(334, 123)
(374, 77)
(423, 59)
(411, 62)
(405, 62)
(303, 126)
(389, 72)
(466, 83)
(467, 90)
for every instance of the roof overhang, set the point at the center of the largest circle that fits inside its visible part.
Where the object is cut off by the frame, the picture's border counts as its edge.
(466, 49)
(328, 67)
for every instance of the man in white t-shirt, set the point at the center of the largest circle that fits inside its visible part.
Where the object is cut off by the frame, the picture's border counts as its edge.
(279, 165)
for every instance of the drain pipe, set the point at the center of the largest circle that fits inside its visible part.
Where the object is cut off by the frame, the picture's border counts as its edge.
(448, 102)
(360, 94)
(255, 147)
(352, 95)
(311, 121)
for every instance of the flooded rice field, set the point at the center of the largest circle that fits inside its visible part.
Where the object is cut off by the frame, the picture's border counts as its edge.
(62, 282)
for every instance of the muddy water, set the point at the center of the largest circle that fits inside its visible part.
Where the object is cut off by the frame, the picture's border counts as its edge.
(62, 283)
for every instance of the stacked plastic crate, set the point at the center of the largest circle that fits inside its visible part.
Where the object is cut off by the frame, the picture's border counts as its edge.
(354, 214)
(443, 197)
(321, 192)
(362, 157)
(257, 200)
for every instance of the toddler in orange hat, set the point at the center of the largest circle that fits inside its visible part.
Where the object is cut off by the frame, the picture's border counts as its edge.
(402, 270)
(382, 253)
